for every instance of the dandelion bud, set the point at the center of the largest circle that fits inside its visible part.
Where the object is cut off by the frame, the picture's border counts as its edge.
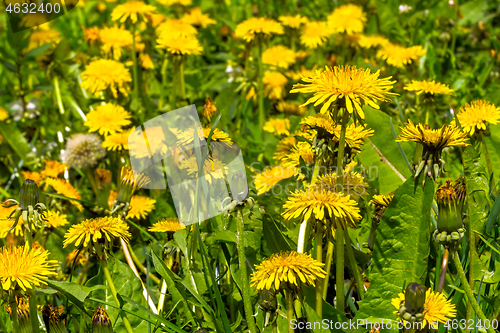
(23, 316)
(267, 300)
(28, 196)
(101, 322)
(414, 299)
(52, 319)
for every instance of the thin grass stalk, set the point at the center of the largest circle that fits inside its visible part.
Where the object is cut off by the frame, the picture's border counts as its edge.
(247, 302)
(468, 291)
(105, 269)
(319, 258)
(58, 94)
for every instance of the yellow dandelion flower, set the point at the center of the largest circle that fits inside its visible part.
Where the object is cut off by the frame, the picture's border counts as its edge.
(277, 126)
(133, 10)
(302, 150)
(107, 119)
(271, 176)
(103, 74)
(258, 26)
(169, 224)
(284, 148)
(4, 114)
(64, 188)
(369, 41)
(157, 19)
(429, 87)
(117, 141)
(399, 56)
(52, 169)
(353, 184)
(288, 268)
(436, 307)
(97, 230)
(114, 40)
(348, 18)
(32, 175)
(315, 34)
(7, 223)
(176, 2)
(213, 168)
(381, 201)
(56, 219)
(140, 207)
(40, 37)
(278, 56)
(80, 260)
(186, 138)
(322, 205)
(146, 61)
(209, 109)
(179, 44)
(476, 115)
(433, 139)
(23, 267)
(103, 176)
(293, 22)
(354, 137)
(197, 18)
(130, 182)
(176, 27)
(136, 142)
(275, 83)
(354, 85)
(303, 72)
(291, 108)
(91, 35)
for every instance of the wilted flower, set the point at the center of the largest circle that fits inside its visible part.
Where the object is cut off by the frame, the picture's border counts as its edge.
(83, 150)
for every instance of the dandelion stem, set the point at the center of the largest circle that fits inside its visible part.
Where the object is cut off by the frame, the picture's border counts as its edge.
(32, 300)
(15, 319)
(319, 258)
(289, 310)
(303, 225)
(247, 302)
(260, 87)
(182, 83)
(105, 269)
(58, 94)
(134, 69)
(339, 235)
(354, 266)
(468, 291)
(444, 266)
(91, 178)
(163, 82)
(328, 267)
(488, 160)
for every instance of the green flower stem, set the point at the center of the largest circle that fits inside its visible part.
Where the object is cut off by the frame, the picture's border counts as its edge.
(164, 66)
(58, 94)
(260, 87)
(354, 266)
(15, 319)
(319, 258)
(3, 329)
(293, 38)
(468, 291)
(444, 266)
(182, 83)
(339, 235)
(247, 302)
(328, 267)
(134, 68)
(141, 266)
(32, 300)
(289, 310)
(104, 266)
(91, 177)
(487, 156)
(303, 226)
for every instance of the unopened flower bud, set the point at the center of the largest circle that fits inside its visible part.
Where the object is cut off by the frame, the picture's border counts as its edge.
(28, 196)
(414, 298)
(101, 322)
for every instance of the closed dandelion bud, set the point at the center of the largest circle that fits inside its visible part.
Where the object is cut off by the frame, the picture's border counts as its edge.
(267, 300)
(101, 322)
(414, 298)
(28, 196)
(23, 316)
(450, 200)
(52, 319)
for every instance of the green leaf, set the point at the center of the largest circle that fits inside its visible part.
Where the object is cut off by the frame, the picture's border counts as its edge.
(381, 155)
(401, 249)
(73, 291)
(16, 140)
(275, 240)
(36, 52)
